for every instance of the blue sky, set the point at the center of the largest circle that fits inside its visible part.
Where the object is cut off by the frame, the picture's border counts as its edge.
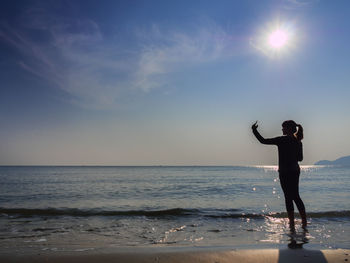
(170, 82)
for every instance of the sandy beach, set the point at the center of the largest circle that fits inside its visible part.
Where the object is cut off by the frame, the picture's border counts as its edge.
(186, 255)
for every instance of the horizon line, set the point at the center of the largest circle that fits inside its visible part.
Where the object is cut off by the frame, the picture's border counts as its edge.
(149, 165)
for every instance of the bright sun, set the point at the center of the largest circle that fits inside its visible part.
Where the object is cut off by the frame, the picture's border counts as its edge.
(278, 39)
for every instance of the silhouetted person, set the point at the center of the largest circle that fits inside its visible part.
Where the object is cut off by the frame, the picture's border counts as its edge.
(290, 152)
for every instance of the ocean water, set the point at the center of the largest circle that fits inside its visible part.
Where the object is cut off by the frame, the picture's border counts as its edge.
(86, 208)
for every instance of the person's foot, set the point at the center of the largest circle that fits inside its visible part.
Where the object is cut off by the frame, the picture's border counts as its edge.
(304, 224)
(292, 227)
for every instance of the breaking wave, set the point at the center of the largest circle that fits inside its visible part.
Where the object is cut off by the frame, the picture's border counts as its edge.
(175, 212)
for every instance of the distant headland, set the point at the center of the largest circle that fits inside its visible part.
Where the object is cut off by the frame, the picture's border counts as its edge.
(340, 161)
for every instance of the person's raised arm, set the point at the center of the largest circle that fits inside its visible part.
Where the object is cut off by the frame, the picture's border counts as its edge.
(260, 138)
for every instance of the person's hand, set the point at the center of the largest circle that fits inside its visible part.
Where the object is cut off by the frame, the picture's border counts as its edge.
(255, 125)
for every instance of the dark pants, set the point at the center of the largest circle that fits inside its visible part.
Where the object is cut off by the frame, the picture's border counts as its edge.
(290, 185)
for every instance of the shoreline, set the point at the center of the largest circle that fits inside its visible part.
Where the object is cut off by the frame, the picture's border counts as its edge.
(183, 255)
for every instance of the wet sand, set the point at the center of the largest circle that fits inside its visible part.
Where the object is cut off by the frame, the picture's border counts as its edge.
(135, 255)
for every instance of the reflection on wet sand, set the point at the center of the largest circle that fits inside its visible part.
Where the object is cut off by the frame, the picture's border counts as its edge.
(297, 240)
(275, 232)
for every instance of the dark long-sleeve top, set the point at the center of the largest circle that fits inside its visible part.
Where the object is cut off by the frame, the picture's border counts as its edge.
(290, 150)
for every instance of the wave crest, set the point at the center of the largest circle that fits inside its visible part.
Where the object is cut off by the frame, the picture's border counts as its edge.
(174, 212)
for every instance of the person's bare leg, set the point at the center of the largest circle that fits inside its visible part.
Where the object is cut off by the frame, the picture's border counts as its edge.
(303, 218)
(291, 220)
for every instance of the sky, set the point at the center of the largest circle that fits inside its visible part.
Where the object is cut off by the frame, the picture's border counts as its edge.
(151, 82)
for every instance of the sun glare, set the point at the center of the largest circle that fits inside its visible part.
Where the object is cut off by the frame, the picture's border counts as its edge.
(278, 38)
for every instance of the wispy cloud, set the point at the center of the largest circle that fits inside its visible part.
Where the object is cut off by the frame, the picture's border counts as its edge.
(34, 57)
(182, 50)
(296, 4)
(98, 71)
